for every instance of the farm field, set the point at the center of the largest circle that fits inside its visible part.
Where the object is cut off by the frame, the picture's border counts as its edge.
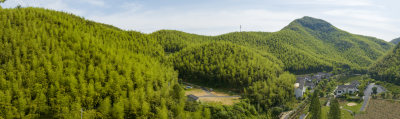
(381, 109)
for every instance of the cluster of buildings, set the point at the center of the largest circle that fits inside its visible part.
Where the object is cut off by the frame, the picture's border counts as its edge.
(308, 82)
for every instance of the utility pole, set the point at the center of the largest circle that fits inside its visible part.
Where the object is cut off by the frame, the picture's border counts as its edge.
(240, 28)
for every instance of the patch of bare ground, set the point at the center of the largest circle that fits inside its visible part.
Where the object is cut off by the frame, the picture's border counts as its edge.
(196, 92)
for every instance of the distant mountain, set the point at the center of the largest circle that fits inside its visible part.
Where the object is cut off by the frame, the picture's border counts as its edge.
(306, 45)
(54, 64)
(395, 41)
(388, 68)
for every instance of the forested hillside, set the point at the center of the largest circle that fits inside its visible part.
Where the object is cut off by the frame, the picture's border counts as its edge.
(306, 45)
(387, 68)
(57, 65)
(53, 64)
(395, 41)
(219, 64)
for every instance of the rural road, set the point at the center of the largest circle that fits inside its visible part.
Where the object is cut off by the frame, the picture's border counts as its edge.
(367, 94)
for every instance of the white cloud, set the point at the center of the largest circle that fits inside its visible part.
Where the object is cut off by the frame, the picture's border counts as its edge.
(365, 22)
(365, 17)
(94, 2)
(358, 15)
(348, 3)
(205, 22)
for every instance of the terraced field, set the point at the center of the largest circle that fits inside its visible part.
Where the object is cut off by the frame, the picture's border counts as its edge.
(381, 109)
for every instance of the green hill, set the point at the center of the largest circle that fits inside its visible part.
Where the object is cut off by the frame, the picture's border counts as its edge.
(395, 41)
(218, 64)
(54, 64)
(306, 45)
(387, 68)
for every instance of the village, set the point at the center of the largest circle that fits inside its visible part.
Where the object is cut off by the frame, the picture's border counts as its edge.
(353, 91)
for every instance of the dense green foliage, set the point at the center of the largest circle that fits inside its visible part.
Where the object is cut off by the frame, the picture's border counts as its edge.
(334, 110)
(306, 45)
(215, 111)
(387, 68)
(395, 41)
(275, 92)
(225, 65)
(53, 64)
(315, 106)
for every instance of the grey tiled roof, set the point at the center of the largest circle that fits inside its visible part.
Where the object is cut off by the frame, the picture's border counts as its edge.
(341, 87)
(193, 97)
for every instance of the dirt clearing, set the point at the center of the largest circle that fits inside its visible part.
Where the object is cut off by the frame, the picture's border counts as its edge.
(351, 104)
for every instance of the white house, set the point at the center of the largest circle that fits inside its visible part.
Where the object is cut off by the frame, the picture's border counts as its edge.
(301, 86)
(299, 89)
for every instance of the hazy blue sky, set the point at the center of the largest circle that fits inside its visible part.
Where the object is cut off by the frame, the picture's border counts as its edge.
(378, 18)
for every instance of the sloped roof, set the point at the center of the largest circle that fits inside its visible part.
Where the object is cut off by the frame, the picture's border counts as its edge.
(342, 87)
(300, 80)
(355, 82)
(193, 97)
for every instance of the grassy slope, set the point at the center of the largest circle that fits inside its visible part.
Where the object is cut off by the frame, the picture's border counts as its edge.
(345, 114)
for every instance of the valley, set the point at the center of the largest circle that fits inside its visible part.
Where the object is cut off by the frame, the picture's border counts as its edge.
(58, 65)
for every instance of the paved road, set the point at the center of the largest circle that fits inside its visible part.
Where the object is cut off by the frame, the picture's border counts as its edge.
(367, 94)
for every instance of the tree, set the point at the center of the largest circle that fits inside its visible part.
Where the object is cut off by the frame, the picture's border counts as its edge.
(334, 111)
(118, 110)
(315, 106)
(206, 113)
(105, 107)
(374, 90)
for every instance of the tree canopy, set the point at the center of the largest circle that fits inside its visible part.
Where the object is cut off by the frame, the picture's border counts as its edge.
(387, 68)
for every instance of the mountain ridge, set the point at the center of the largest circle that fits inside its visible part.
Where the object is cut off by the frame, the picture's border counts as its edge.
(328, 48)
(395, 41)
